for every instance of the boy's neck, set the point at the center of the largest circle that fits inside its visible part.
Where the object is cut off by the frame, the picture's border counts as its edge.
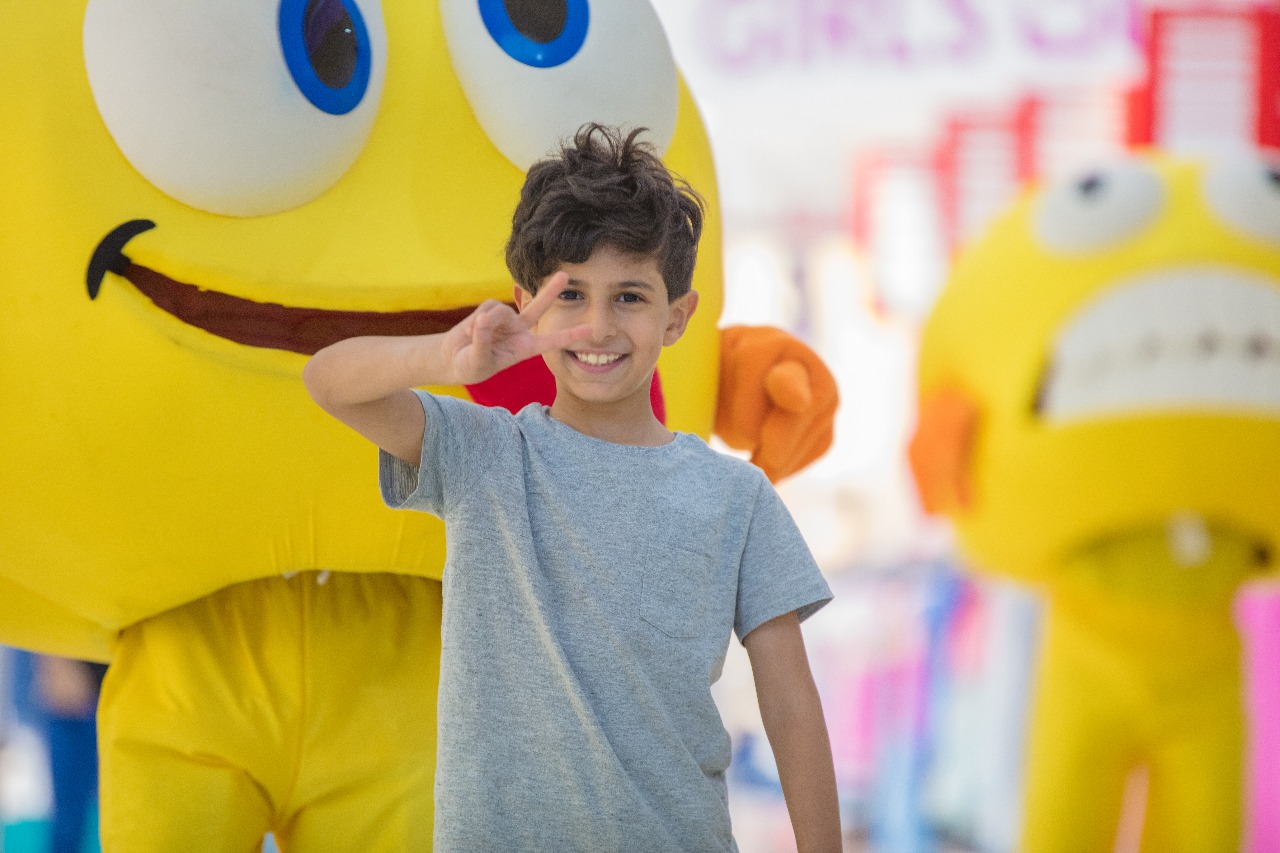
(614, 425)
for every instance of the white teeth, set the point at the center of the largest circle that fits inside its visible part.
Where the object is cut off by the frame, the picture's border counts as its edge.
(1205, 339)
(1189, 540)
(597, 358)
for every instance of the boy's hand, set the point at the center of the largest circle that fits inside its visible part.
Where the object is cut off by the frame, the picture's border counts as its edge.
(367, 382)
(777, 399)
(495, 336)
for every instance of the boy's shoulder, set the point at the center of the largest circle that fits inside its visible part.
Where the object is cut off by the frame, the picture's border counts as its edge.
(459, 422)
(460, 408)
(708, 460)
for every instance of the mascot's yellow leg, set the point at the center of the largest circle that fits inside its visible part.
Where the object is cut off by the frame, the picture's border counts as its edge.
(1195, 797)
(286, 705)
(1126, 685)
(1080, 751)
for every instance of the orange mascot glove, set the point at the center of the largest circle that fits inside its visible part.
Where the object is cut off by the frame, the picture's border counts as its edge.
(777, 399)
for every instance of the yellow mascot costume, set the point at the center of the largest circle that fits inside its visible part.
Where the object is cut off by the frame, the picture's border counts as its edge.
(194, 196)
(1100, 415)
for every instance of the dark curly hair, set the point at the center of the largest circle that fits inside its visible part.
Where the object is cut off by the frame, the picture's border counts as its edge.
(604, 189)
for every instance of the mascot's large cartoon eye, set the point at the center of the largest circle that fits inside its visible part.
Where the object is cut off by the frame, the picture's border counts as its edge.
(326, 46)
(238, 107)
(1244, 192)
(534, 71)
(543, 35)
(1099, 208)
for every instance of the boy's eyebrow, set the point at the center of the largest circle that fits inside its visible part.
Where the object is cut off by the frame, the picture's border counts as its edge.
(626, 282)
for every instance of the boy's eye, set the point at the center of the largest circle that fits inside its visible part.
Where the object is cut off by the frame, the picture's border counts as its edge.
(570, 294)
(631, 298)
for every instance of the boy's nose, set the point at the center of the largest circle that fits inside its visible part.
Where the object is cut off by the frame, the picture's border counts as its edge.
(601, 320)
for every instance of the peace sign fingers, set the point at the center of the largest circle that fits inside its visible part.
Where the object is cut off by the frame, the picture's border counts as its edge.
(546, 341)
(542, 300)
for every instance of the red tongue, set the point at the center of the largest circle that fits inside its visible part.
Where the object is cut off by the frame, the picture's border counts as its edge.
(531, 382)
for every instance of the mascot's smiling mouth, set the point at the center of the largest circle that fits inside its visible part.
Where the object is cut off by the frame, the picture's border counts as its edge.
(256, 324)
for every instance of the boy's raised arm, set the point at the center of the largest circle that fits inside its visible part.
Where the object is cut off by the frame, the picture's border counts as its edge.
(367, 382)
(793, 721)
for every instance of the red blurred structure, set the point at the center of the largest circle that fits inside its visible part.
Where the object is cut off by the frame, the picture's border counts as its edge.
(1212, 78)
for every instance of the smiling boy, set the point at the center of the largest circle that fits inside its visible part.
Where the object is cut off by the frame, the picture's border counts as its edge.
(597, 562)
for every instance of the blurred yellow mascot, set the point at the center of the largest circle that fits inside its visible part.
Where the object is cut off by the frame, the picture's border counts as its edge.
(1100, 415)
(194, 196)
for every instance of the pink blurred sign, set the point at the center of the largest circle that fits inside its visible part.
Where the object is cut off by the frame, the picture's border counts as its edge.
(1258, 613)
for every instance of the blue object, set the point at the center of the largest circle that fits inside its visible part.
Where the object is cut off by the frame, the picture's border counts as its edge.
(73, 766)
(898, 822)
(538, 50)
(72, 747)
(751, 766)
(326, 47)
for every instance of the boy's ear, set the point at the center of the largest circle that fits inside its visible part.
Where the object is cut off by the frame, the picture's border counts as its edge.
(681, 312)
(521, 296)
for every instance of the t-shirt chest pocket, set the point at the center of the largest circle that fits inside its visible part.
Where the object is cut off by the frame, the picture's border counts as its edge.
(676, 590)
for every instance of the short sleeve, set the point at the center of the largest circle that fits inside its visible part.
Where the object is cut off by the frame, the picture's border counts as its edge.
(778, 573)
(459, 442)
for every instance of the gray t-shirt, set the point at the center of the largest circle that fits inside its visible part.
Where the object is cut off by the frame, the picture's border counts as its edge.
(590, 589)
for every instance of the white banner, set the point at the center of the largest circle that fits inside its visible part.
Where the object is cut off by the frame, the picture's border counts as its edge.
(790, 87)
(961, 43)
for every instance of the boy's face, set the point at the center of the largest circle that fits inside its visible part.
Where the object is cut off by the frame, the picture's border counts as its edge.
(623, 299)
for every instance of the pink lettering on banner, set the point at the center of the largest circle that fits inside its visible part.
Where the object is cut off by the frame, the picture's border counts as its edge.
(1075, 27)
(744, 36)
(866, 29)
(969, 39)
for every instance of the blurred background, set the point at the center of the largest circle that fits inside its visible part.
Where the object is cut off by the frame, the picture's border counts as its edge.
(859, 143)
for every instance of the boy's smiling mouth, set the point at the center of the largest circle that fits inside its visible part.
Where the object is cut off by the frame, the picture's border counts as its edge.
(597, 359)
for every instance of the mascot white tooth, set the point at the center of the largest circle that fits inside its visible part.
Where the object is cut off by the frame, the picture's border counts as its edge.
(196, 195)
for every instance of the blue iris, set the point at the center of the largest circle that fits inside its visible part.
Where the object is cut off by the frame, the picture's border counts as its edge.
(541, 33)
(326, 46)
